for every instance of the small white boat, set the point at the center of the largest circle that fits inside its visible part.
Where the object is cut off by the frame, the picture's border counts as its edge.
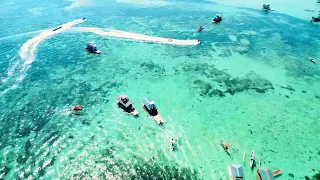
(151, 108)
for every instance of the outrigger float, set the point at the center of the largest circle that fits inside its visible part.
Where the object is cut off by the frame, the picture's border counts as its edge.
(267, 174)
(151, 108)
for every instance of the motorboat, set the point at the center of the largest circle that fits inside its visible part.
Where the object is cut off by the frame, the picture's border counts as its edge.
(266, 7)
(217, 19)
(200, 28)
(92, 48)
(57, 28)
(126, 105)
(236, 172)
(151, 108)
(315, 19)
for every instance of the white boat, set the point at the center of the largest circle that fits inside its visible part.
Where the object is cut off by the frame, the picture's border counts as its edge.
(151, 108)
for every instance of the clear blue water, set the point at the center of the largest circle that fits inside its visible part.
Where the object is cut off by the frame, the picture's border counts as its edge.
(249, 82)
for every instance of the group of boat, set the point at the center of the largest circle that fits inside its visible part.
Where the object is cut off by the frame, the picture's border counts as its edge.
(236, 170)
(313, 19)
(149, 105)
(217, 19)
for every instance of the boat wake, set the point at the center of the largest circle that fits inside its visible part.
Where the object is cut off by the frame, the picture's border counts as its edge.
(28, 53)
(28, 49)
(138, 37)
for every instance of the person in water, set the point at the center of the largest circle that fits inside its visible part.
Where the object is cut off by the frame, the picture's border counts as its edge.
(173, 144)
(200, 28)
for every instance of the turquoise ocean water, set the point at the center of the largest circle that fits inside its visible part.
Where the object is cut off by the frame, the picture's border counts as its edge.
(249, 83)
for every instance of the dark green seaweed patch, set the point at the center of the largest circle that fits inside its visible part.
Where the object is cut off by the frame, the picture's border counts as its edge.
(316, 176)
(225, 83)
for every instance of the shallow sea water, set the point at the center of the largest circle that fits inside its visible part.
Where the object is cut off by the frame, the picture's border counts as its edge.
(249, 83)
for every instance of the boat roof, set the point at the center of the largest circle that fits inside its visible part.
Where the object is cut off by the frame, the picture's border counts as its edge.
(92, 44)
(123, 96)
(236, 171)
(265, 174)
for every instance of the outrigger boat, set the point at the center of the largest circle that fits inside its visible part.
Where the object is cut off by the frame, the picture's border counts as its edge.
(236, 172)
(266, 174)
(252, 159)
(312, 60)
(225, 146)
(126, 105)
(151, 108)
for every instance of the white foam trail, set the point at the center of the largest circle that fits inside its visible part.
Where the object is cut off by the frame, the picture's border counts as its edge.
(139, 37)
(28, 52)
(22, 34)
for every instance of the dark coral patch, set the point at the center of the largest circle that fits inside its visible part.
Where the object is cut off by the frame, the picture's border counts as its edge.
(220, 83)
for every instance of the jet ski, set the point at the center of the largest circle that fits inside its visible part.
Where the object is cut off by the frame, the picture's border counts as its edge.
(126, 105)
(200, 28)
(217, 19)
(92, 48)
(57, 28)
(151, 108)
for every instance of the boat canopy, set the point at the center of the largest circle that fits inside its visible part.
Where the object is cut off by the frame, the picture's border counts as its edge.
(150, 104)
(124, 100)
(236, 172)
(92, 46)
(265, 174)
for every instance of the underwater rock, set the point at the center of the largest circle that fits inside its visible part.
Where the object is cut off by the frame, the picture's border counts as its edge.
(291, 175)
